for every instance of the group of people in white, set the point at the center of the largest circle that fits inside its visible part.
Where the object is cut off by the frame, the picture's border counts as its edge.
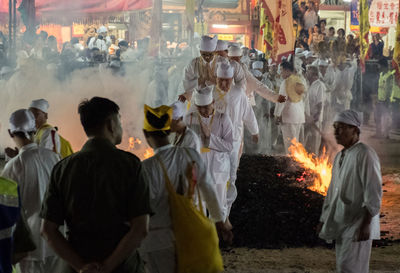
(198, 139)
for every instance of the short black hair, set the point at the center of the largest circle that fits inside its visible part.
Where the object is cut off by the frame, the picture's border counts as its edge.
(287, 65)
(331, 28)
(95, 112)
(22, 135)
(322, 21)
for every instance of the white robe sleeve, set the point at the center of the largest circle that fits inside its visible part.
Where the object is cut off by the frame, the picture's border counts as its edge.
(239, 75)
(191, 140)
(91, 42)
(371, 179)
(249, 118)
(190, 80)
(207, 189)
(255, 85)
(223, 141)
(280, 106)
(49, 141)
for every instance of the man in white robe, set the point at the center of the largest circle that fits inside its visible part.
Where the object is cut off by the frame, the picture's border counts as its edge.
(216, 133)
(344, 79)
(31, 169)
(232, 101)
(202, 70)
(291, 114)
(158, 248)
(350, 214)
(182, 135)
(316, 100)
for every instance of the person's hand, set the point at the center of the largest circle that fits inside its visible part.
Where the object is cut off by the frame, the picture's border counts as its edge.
(225, 232)
(11, 153)
(205, 130)
(254, 138)
(364, 232)
(91, 268)
(281, 99)
(319, 228)
(182, 98)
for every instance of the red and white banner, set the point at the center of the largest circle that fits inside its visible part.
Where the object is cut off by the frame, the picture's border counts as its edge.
(284, 39)
(384, 13)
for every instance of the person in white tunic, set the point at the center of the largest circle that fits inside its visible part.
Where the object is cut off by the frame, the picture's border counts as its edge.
(182, 135)
(102, 41)
(316, 100)
(46, 135)
(31, 169)
(158, 248)
(232, 101)
(350, 213)
(216, 133)
(344, 79)
(202, 70)
(291, 114)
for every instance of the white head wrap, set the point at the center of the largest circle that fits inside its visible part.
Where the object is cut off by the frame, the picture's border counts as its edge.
(208, 44)
(258, 65)
(22, 121)
(308, 54)
(178, 110)
(349, 117)
(298, 51)
(256, 73)
(235, 51)
(41, 104)
(224, 70)
(221, 45)
(102, 29)
(204, 96)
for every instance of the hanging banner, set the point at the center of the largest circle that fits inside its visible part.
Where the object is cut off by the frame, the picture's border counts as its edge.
(382, 14)
(396, 54)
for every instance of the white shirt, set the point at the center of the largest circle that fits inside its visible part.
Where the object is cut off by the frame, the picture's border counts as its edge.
(100, 44)
(310, 19)
(189, 139)
(356, 185)
(31, 169)
(236, 105)
(176, 161)
(316, 95)
(291, 112)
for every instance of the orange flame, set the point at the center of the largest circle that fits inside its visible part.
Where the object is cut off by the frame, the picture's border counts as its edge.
(319, 166)
(136, 147)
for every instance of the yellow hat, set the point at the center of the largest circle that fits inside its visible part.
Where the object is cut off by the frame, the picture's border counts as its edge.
(294, 86)
(162, 113)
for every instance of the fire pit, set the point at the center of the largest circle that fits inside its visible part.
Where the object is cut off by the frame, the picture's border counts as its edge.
(275, 207)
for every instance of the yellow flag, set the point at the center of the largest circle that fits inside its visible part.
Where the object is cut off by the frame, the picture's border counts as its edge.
(396, 55)
(364, 31)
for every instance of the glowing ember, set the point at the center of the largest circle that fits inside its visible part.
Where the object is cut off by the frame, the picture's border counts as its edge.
(318, 166)
(148, 153)
(141, 150)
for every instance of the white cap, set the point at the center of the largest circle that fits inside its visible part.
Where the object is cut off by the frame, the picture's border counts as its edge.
(208, 44)
(224, 70)
(178, 110)
(22, 121)
(221, 45)
(204, 96)
(102, 29)
(235, 51)
(323, 62)
(349, 117)
(258, 65)
(256, 73)
(41, 104)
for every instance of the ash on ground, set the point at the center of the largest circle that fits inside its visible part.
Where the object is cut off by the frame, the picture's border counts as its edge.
(274, 208)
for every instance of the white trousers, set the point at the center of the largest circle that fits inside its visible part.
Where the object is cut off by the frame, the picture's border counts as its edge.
(32, 266)
(160, 261)
(313, 138)
(352, 257)
(221, 190)
(231, 189)
(289, 132)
